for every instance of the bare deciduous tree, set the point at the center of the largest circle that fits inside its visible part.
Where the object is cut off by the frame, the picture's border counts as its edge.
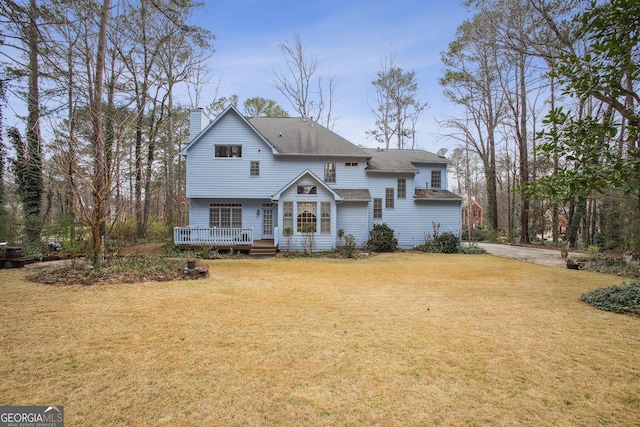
(299, 83)
(397, 105)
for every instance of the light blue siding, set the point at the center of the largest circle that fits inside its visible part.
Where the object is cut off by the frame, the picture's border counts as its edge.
(252, 211)
(323, 241)
(228, 180)
(208, 176)
(412, 220)
(423, 179)
(353, 219)
(197, 122)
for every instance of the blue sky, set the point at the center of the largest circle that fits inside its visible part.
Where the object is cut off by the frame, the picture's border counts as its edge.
(350, 39)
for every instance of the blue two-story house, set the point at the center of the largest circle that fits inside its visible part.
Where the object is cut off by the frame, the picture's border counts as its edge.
(249, 180)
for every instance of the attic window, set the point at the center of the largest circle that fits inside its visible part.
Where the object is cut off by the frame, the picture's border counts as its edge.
(229, 151)
(307, 189)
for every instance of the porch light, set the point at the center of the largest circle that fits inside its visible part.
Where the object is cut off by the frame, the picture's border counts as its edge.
(258, 212)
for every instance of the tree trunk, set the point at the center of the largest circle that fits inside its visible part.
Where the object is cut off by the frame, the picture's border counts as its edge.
(99, 180)
(524, 154)
(32, 197)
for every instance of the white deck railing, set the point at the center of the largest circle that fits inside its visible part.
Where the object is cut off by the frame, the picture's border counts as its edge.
(213, 236)
(276, 237)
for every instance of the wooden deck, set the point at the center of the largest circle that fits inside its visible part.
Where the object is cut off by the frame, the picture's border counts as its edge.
(259, 248)
(224, 239)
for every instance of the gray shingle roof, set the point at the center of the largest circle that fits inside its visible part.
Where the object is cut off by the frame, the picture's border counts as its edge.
(400, 160)
(354, 195)
(436, 194)
(298, 136)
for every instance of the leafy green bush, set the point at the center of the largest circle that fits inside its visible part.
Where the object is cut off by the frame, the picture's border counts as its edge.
(473, 249)
(445, 243)
(619, 299)
(448, 243)
(157, 230)
(382, 238)
(484, 234)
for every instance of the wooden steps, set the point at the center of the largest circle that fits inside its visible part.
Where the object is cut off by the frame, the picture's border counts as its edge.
(263, 251)
(263, 248)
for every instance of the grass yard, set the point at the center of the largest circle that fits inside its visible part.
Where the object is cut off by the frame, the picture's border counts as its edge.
(397, 339)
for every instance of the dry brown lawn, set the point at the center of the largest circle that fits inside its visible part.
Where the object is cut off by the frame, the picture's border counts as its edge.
(393, 340)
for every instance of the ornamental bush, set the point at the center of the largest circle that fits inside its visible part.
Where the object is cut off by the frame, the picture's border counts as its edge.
(471, 250)
(445, 243)
(349, 248)
(619, 299)
(448, 243)
(382, 238)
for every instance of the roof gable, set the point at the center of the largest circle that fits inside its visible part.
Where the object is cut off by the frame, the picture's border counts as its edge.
(306, 172)
(230, 110)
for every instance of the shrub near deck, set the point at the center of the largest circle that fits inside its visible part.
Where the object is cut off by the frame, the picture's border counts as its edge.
(395, 339)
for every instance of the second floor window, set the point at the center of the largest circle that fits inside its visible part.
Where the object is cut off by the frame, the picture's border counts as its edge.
(402, 188)
(229, 151)
(330, 172)
(389, 199)
(436, 179)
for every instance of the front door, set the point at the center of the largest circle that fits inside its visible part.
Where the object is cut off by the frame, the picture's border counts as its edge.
(267, 223)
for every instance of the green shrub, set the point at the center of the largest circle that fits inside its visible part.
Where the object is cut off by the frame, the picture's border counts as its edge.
(382, 238)
(445, 243)
(448, 243)
(473, 249)
(349, 247)
(484, 234)
(157, 230)
(619, 299)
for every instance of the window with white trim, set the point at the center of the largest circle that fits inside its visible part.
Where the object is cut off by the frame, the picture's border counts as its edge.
(225, 215)
(287, 215)
(389, 199)
(325, 217)
(402, 188)
(229, 151)
(330, 172)
(306, 215)
(436, 179)
(377, 208)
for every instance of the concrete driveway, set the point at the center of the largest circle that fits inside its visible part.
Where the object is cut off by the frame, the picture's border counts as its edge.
(542, 256)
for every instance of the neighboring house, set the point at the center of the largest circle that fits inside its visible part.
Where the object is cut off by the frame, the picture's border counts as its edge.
(248, 180)
(474, 210)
